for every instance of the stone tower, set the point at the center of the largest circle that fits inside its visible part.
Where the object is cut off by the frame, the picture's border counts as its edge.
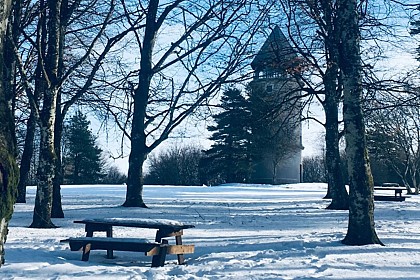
(278, 130)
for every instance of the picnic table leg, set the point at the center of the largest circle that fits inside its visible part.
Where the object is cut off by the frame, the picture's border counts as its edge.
(159, 259)
(90, 229)
(86, 252)
(159, 236)
(181, 258)
(109, 253)
(178, 241)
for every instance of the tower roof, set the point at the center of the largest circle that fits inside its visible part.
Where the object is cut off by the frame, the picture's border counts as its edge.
(275, 54)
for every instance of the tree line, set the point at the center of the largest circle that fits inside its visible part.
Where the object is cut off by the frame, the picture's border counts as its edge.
(148, 66)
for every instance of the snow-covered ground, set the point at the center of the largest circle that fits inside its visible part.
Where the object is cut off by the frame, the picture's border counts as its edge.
(241, 232)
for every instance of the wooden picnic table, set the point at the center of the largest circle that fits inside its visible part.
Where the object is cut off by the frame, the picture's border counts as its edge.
(165, 228)
(390, 187)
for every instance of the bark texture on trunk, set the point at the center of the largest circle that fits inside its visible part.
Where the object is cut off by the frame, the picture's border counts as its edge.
(336, 186)
(9, 174)
(46, 164)
(361, 227)
(139, 149)
(134, 194)
(138, 153)
(47, 156)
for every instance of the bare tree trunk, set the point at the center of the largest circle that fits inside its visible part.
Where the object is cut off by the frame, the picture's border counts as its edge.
(8, 168)
(335, 178)
(361, 227)
(139, 152)
(46, 165)
(25, 162)
(336, 186)
(57, 207)
(10, 80)
(66, 11)
(134, 195)
(47, 156)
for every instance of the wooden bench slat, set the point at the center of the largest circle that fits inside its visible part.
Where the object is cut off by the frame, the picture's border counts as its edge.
(119, 244)
(126, 244)
(155, 249)
(173, 250)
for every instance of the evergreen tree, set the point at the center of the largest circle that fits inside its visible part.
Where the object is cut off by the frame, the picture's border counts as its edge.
(228, 159)
(82, 157)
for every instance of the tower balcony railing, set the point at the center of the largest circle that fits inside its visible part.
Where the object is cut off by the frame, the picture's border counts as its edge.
(266, 75)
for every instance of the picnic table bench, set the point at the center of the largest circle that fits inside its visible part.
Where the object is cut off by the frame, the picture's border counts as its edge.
(158, 249)
(390, 187)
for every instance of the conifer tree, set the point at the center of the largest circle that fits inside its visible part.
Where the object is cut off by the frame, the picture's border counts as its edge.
(82, 157)
(228, 159)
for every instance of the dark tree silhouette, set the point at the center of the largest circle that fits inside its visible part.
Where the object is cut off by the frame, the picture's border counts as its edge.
(228, 160)
(82, 157)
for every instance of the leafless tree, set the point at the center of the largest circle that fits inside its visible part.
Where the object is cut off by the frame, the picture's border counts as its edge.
(57, 79)
(186, 51)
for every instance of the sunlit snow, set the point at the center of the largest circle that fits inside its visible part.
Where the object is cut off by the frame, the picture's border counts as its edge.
(241, 232)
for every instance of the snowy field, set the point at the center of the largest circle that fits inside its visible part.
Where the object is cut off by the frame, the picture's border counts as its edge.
(241, 232)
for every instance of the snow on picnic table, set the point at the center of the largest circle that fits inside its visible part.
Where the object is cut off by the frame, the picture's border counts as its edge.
(241, 232)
